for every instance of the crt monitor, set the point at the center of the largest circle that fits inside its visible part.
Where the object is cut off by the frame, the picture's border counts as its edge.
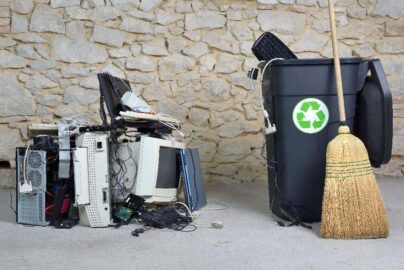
(154, 166)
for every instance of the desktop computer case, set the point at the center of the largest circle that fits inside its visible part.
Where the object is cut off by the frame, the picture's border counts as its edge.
(31, 206)
(98, 212)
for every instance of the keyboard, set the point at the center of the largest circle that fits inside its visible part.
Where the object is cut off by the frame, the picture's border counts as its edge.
(139, 116)
(268, 47)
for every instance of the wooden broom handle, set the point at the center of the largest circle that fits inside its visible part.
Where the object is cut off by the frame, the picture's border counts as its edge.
(337, 66)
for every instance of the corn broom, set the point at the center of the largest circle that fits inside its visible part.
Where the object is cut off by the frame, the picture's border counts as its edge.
(353, 207)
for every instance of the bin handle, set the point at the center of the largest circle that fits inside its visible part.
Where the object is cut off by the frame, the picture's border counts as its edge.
(337, 66)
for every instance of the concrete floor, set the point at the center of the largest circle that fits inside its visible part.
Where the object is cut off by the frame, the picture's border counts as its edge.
(250, 239)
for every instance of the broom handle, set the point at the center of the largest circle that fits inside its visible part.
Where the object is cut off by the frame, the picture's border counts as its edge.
(337, 66)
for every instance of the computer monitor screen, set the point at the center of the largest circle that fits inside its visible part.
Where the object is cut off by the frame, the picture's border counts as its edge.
(148, 167)
(168, 173)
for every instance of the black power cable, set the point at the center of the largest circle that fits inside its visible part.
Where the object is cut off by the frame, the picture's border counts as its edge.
(11, 194)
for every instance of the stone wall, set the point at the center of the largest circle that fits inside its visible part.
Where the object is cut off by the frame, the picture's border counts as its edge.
(185, 58)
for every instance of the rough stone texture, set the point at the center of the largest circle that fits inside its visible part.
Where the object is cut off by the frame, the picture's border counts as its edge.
(19, 23)
(78, 95)
(4, 11)
(46, 19)
(197, 50)
(175, 45)
(310, 42)
(125, 4)
(221, 40)
(19, 103)
(166, 18)
(30, 38)
(90, 83)
(38, 82)
(9, 60)
(22, 6)
(172, 108)
(146, 16)
(364, 51)
(156, 48)
(207, 63)
(185, 58)
(154, 92)
(136, 26)
(274, 20)
(75, 30)
(101, 14)
(233, 129)
(9, 139)
(92, 3)
(74, 70)
(234, 147)
(357, 30)
(395, 28)
(42, 64)
(49, 100)
(240, 31)
(198, 117)
(6, 42)
(98, 14)
(64, 3)
(174, 64)
(306, 2)
(42, 49)
(205, 19)
(149, 4)
(79, 51)
(392, 8)
(390, 45)
(216, 89)
(142, 63)
(27, 51)
(119, 53)
(183, 7)
(228, 63)
(108, 36)
(140, 77)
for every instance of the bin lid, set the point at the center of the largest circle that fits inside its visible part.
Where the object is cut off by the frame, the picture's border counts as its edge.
(313, 77)
(316, 61)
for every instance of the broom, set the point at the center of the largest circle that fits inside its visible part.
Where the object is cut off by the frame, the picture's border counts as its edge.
(352, 204)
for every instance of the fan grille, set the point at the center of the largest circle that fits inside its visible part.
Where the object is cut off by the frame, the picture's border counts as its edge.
(34, 160)
(35, 178)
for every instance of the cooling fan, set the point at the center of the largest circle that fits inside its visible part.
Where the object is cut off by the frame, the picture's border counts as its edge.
(35, 169)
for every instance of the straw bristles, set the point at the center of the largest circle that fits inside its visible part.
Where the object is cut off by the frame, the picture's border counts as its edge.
(352, 204)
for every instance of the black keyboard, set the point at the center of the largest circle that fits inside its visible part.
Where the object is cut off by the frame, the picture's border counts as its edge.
(268, 47)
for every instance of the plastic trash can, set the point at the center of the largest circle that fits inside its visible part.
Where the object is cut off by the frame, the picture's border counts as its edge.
(300, 97)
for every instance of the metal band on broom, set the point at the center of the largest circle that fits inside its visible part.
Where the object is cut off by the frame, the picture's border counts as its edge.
(352, 204)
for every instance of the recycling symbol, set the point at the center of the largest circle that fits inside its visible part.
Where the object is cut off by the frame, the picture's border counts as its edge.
(310, 115)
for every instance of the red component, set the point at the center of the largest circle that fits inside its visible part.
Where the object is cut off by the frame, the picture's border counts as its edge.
(65, 206)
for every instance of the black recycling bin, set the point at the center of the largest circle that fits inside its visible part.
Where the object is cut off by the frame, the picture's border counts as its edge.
(300, 97)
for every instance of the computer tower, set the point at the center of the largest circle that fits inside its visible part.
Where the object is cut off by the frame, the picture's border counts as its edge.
(31, 206)
(97, 213)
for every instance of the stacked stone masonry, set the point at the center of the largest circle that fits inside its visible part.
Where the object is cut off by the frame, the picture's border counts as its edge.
(185, 58)
(5, 16)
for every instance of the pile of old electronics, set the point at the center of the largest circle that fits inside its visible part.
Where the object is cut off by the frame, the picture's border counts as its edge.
(128, 168)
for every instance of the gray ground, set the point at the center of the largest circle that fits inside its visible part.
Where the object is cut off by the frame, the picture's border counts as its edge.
(250, 239)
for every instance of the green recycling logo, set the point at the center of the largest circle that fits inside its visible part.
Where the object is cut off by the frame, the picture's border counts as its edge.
(310, 115)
